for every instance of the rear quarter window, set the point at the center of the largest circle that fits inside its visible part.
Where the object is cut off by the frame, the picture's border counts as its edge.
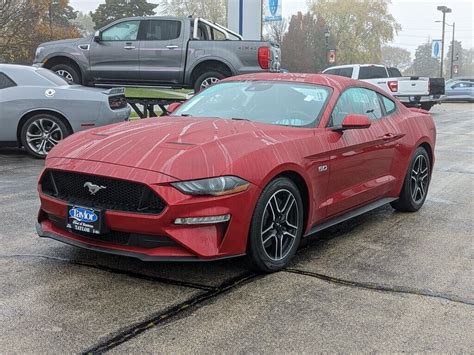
(372, 72)
(389, 105)
(6, 82)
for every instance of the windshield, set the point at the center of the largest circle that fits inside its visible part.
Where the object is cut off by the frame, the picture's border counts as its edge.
(52, 77)
(272, 102)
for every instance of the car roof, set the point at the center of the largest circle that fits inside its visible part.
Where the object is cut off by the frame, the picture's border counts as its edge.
(337, 81)
(8, 68)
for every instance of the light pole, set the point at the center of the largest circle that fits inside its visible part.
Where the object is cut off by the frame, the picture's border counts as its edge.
(445, 10)
(452, 46)
(326, 36)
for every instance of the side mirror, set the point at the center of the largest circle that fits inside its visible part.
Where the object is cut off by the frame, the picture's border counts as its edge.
(355, 122)
(97, 36)
(173, 107)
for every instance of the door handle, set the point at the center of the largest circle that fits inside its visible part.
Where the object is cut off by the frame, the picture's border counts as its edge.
(129, 47)
(172, 46)
(388, 136)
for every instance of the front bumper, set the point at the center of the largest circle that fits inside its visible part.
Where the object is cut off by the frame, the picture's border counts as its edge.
(188, 242)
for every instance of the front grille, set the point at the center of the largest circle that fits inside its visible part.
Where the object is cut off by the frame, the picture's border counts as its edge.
(121, 238)
(118, 195)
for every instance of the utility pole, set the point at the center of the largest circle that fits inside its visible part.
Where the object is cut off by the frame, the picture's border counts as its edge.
(452, 51)
(444, 10)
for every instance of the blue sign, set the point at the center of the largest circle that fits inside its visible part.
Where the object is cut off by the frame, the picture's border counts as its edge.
(436, 49)
(83, 214)
(272, 10)
(273, 5)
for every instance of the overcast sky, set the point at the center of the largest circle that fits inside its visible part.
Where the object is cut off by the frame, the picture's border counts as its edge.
(416, 17)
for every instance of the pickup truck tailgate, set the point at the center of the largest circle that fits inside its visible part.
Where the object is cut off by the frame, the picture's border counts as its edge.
(413, 86)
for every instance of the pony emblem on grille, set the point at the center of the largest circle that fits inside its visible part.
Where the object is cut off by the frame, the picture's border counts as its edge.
(93, 188)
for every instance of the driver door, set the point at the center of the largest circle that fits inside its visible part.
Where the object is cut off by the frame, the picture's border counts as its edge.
(360, 167)
(115, 57)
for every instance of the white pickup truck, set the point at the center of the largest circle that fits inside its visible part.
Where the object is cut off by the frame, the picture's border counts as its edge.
(411, 90)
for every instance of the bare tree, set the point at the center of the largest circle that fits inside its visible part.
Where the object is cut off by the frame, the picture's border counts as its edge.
(275, 30)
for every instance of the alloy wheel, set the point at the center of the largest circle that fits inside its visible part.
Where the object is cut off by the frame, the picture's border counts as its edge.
(279, 227)
(42, 135)
(419, 179)
(65, 74)
(208, 82)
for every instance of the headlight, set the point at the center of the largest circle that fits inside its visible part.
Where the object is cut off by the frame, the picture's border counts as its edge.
(38, 51)
(217, 186)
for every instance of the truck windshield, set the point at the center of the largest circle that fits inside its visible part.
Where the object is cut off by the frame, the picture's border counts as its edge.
(272, 102)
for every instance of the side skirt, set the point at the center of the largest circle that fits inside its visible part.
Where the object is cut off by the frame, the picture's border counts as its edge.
(351, 214)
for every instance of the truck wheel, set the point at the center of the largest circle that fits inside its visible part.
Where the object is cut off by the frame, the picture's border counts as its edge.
(207, 79)
(426, 105)
(69, 73)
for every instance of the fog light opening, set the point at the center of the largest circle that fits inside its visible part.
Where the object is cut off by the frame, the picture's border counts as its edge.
(203, 220)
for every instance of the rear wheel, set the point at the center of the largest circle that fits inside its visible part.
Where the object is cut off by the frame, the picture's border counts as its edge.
(277, 226)
(41, 133)
(415, 186)
(207, 79)
(68, 72)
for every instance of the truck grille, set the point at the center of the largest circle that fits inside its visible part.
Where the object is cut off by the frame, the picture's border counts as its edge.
(118, 195)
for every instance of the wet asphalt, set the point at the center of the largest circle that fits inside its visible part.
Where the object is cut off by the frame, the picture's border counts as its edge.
(385, 281)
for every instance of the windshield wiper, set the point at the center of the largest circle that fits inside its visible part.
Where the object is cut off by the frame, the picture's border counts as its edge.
(185, 115)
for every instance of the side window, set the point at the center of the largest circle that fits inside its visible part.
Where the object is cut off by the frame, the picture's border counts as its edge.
(331, 71)
(6, 82)
(356, 101)
(123, 31)
(162, 30)
(347, 72)
(389, 105)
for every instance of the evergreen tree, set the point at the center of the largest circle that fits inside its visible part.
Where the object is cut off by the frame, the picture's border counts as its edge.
(116, 9)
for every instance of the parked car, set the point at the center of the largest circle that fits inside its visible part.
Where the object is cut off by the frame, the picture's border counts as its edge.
(38, 108)
(459, 91)
(460, 78)
(164, 51)
(249, 166)
(411, 90)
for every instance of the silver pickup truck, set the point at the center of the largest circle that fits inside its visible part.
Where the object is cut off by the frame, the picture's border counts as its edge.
(157, 51)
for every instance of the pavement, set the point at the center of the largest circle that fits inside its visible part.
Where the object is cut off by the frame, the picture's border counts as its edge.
(385, 281)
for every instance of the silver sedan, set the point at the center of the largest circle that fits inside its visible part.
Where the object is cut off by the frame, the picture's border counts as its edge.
(38, 108)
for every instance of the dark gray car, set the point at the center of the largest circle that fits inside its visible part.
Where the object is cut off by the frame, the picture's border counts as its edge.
(157, 51)
(38, 108)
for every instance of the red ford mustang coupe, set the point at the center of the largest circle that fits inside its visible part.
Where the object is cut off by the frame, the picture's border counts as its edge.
(249, 166)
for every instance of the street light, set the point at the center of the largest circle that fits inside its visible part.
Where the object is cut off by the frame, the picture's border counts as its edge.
(452, 46)
(326, 36)
(445, 10)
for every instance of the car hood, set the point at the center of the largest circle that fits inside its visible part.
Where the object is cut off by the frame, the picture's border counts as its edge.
(181, 147)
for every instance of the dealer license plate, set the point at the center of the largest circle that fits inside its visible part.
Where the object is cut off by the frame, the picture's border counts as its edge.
(84, 220)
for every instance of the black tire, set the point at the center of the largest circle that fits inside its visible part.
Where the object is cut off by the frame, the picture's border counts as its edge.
(208, 76)
(32, 138)
(68, 72)
(426, 105)
(416, 183)
(271, 229)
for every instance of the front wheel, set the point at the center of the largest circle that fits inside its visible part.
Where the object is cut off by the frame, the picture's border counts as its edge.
(277, 226)
(416, 183)
(68, 73)
(41, 133)
(207, 79)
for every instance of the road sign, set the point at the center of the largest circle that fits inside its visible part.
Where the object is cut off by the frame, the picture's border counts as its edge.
(332, 56)
(436, 49)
